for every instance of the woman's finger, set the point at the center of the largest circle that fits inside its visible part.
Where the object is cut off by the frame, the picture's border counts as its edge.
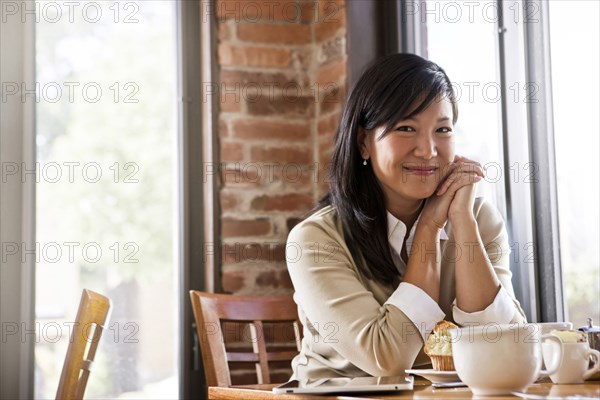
(464, 159)
(457, 170)
(474, 167)
(469, 163)
(447, 182)
(458, 180)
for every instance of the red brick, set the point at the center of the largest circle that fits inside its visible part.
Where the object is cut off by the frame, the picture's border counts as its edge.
(269, 129)
(273, 54)
(253, 252)
(307, 13)
(322, 188)
(332, 22)
(231, 227)
(223, 129)
(293, 176)
(285, 202)
(230, 102)
(274, 279)
(237, 10)
(242, 174)
(232, 281)
(281, 155)
(231, 152)
(274, 33)
(244, 11)
(329, 124)
(265, 80)
(224, 33)
(268, 278)
(325, 152)
(291, 106)
(229, 201)
(254, 56)
(332, 49)
(285, 280)
(287, 11)
(334, 72)
(303, 59)
(328, 10)
(333, 100)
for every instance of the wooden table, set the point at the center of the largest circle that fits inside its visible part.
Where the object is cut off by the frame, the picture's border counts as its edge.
(422, 390)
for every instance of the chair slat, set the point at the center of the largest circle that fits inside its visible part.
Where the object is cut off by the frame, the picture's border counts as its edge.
(242, 357)
(258, 343)
(92, 315)
(281, 355)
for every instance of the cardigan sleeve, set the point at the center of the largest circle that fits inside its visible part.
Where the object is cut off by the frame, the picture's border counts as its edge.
(379, 339)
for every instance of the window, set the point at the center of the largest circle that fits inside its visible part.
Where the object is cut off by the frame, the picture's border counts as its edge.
(574, 40)
(108, 96)
(465, 46)
(106, 137)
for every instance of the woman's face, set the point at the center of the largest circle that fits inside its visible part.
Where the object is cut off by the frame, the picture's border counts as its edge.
(411, 159)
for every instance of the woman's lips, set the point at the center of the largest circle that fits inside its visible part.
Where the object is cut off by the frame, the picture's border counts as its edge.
(420, 171)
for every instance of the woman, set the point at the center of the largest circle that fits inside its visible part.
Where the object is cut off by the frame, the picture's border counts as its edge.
(400, 242)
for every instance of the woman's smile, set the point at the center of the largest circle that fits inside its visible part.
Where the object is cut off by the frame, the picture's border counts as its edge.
(420, 170)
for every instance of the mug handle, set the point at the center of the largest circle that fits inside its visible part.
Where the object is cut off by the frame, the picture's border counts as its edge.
(595, 354)
(551, 369)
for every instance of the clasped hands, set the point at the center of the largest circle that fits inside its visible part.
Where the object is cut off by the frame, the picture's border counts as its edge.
(454, 196)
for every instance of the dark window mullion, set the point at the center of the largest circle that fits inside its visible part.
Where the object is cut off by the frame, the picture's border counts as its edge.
(541, 136)
(516, 154)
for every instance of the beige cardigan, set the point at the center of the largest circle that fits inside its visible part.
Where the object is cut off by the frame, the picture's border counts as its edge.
(348, 330)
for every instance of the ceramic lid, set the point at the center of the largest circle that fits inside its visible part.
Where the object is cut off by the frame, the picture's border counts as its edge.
(590, 328)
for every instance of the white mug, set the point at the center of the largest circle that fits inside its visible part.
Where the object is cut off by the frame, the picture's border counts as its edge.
(495, 359)
(548, 327)
(574, 365)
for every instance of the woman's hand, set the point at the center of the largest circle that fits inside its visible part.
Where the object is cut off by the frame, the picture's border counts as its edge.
(455, 195)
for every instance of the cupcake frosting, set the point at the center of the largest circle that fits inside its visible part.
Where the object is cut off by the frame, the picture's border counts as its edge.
(439, 341)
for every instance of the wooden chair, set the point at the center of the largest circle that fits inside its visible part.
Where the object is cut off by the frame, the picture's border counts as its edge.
(91, 318)
(211, 309)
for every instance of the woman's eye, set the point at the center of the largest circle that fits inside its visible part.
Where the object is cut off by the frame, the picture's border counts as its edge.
(445, 130)
(405, 128)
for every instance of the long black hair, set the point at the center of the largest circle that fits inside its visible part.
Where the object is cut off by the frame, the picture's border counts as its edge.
(394, 88)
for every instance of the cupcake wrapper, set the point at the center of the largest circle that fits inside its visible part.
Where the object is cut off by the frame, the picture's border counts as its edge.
(442, 363)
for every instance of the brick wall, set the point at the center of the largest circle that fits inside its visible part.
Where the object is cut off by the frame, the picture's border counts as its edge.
(282, 69)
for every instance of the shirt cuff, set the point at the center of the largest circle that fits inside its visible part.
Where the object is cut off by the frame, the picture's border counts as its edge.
(421, 309)
(501, 311)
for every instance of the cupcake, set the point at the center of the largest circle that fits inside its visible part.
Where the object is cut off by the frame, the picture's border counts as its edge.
(439, 347)
(570, 336)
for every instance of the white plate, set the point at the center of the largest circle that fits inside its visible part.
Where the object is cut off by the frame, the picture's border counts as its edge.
(435, 376)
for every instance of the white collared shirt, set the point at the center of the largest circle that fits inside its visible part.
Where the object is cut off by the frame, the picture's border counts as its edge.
(419, 307)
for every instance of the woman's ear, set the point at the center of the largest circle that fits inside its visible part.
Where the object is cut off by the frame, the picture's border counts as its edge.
(363, 144)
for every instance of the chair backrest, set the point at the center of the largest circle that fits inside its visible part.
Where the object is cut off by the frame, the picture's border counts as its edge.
(92, 315)
(211, 309)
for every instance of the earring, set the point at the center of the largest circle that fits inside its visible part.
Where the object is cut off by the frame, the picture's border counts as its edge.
(365, 161)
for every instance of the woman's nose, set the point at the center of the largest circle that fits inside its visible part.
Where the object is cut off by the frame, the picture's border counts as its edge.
(425, 147)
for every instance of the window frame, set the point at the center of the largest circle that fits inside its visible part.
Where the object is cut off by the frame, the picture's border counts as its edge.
(530, 208)
(198, 201)
(17, 208)
(17, 204)
(541, 135)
